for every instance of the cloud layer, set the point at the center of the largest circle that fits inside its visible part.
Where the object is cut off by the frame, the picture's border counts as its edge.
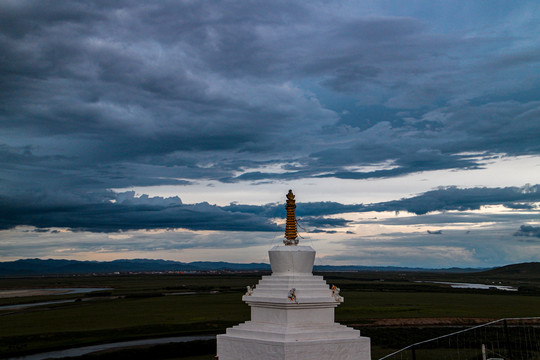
(113, 212)
(101, 96)
(112, 95)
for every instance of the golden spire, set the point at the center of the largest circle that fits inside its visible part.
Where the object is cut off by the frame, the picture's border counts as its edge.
(291, 236)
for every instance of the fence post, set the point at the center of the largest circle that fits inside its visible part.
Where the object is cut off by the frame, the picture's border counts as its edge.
(413, 353)
(507, 340)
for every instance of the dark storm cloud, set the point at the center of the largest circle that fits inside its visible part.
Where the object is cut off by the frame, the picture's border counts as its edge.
(453, 218)
(408, 162)
(127, 212)
(103, 95)
(528, 230)
(453, 198)
(443, 199)
(128, 85)
(110, 212)
(319, 231)
(323, 222)
(519, 206)
(308, 211)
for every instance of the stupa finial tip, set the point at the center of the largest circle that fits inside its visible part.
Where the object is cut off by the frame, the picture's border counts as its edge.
(291, 235)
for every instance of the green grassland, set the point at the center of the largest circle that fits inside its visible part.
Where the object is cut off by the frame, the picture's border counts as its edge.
(143, 306)
(359, 306)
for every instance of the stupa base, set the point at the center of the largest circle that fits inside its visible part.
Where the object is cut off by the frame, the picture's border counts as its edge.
(236, 348)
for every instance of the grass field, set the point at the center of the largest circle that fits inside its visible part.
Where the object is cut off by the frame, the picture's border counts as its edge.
(359, 306)
(138, 307)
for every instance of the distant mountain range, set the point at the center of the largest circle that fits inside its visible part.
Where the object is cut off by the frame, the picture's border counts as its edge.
(50, 267)
(33, 267)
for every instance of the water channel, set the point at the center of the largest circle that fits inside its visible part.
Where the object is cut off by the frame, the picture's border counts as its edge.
(36, 292)
(55, 291)
(70, 291)
(93, 348)
(457, 285)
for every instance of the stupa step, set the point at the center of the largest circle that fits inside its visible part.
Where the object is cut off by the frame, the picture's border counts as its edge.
(291, 275)
(312, 301)
(251, 330)
(297, 283)
(235, 348)
(318, 285)
(298, 290)
(300, 298)
(321, 335)
(292, 328)
(331, 334)
(299, 295)
(291, 278)
(285, 278)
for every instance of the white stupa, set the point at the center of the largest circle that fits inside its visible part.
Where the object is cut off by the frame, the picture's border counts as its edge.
(292, 312)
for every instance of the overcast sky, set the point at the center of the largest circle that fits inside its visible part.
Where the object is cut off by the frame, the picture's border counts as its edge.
(409, 130)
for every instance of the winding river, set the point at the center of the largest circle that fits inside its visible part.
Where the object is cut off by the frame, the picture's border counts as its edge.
(90, 349)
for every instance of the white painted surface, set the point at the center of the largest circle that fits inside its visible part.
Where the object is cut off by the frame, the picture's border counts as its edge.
(230, 348)
(291, 259)
(300, 329)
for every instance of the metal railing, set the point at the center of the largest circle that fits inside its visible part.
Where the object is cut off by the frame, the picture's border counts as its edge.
(508, 339)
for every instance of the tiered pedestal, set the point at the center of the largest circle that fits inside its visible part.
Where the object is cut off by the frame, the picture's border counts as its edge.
(292, 329)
